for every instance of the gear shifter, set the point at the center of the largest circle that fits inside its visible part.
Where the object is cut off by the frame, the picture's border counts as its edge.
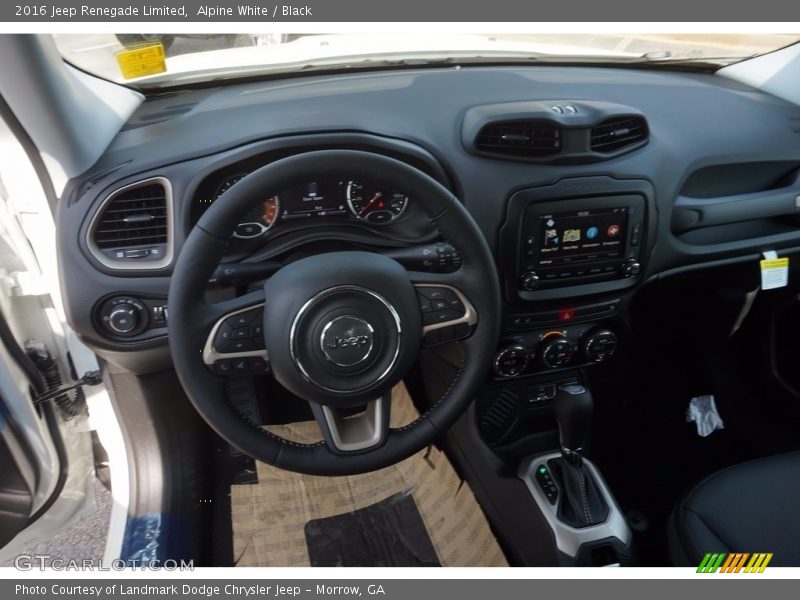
(582, 503)
(573, 407)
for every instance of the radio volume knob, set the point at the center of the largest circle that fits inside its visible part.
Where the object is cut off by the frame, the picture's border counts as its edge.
(631, 268)
(530, 281)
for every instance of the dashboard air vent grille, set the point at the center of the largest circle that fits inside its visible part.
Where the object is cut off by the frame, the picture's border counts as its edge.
(134, 217)
(530, 137)
(618, 132)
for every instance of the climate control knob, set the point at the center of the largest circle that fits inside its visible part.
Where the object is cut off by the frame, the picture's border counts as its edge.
(599, 345)
(123, 319)
(529, 281)
(511, 361)
(557, 351)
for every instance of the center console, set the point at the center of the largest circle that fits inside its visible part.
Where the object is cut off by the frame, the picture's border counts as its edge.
(570, 253)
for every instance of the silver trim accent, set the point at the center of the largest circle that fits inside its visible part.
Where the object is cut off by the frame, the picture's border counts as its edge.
(123, 265)
(360, 218)
(326, 292)
(470, 315)
(210, 354)
(263, 227)
(356, 432)
(366, 354)
(570, 539)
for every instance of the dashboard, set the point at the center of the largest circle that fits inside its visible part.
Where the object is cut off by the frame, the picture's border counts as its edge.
(586, 183)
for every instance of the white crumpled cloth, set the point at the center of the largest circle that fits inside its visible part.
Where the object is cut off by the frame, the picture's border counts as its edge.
(703, 411)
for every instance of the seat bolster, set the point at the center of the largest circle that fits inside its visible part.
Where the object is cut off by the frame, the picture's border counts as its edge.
(750, 507)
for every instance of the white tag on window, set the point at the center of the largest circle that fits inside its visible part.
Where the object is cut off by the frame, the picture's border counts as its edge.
(774, 271)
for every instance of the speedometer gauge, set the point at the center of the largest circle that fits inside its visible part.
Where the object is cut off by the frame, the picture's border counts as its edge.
(374, 204)
(259, 219)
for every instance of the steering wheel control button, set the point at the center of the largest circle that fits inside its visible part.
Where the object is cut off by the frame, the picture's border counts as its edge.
(433, 293)
(237, 366)
(347, 341)
(240, 365)
(511, 361)
(236, 346)
(258, 365)
(241, 334)
(222, 367)
(223, 335)
(242, 320)
(439, 305)
(440, 316)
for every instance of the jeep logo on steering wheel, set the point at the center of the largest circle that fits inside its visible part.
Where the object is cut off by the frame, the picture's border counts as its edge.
(347, 341)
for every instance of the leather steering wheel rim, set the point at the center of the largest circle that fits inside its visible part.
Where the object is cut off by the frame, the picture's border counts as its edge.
(191, 318)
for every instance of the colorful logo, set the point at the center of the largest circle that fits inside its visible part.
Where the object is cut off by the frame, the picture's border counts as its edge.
(735, 562)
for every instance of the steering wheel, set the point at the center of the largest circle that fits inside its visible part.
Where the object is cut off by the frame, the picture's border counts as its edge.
(337, 329)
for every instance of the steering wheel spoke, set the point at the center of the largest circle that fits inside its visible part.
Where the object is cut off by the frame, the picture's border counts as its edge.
(353, 430)
(235, 343)
(447, 313)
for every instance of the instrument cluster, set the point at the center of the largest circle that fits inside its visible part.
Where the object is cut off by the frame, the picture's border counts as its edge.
(368, 202)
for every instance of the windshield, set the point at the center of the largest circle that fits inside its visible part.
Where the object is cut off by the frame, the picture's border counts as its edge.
(151, 60)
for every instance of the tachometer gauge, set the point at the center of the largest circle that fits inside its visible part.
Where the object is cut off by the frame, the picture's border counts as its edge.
(228, 184)
(373, 204)
(259, 219)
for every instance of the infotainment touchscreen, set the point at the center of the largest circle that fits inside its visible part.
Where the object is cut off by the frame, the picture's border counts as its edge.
(582, 236)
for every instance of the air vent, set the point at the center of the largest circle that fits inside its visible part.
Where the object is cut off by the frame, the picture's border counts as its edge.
(520, 138)
(500, 417)
(617, 133)
(132, 228)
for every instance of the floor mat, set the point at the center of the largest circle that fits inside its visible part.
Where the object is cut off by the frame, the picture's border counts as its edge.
(288, 519)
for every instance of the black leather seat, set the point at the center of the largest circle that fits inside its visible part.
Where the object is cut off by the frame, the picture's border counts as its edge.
(752, 507)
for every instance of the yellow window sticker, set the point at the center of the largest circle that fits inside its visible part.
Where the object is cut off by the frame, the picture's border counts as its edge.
(142, 60)
(774, 271)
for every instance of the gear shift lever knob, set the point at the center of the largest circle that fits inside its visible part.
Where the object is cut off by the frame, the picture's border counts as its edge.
(573, 408)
